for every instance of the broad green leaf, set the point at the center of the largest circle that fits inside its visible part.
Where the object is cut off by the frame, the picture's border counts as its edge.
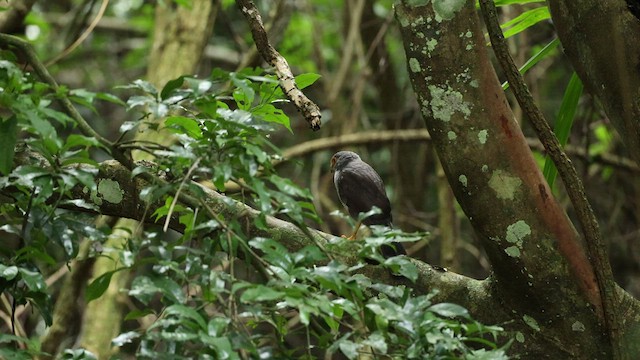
(183, 311)
(270, 113)
(244, 93)
(110, 98)
(305, 80)
(8, 137)
(98, 286)
(525, 20)
(145, 86)
(519, 2)
(564, 122)
(403, 266)
(170, 289)
(260, 293)
(170, 86)
(217, 325)
(33, 280)
(184, 125)
(75, 140)
(125, 338)
(449, 310)
(136, 314)
(8, 272)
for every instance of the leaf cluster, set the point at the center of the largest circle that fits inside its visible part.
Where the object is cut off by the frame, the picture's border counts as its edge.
(213, 290)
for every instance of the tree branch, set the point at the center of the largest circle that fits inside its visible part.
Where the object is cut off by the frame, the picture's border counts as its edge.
(44, 74)
(596, 249)
(308, 108)
(453, 287)
(407, 135)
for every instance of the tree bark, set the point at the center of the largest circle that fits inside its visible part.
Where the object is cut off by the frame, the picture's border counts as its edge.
(602, 41)
(541, 272)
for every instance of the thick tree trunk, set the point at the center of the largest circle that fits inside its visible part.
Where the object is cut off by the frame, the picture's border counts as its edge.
(602, 41)
(541, 273)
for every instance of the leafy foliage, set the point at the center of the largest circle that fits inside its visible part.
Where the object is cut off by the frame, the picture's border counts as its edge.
(214, 290)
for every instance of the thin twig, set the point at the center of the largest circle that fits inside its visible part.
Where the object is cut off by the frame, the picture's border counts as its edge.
(348, 50)
(82, 37)
(596, 249)
(308, 108)
(186, 178)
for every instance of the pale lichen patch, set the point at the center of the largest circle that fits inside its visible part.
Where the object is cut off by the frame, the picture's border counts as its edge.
(517, 231)
(482, 136)
(463, 180)
(452, 135)
(414, 65)
(513, 251)
(431, 44)
(504, 185)
(109, 190)
(531, 322)
(446, 9)
(578, 326)
(446, 102)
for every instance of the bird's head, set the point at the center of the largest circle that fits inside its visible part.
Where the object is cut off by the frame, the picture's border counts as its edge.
(342, 158)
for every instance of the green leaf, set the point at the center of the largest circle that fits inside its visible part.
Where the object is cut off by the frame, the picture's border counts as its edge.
(110, 98)
(260, 293)
(125, 338)
(145, 86)
(217, 325)
(98, 286)
(33, 280)
(519, 2)
(170, 289)
(8, 137)
(525, 20)
(536, 58)
(564, 122)
(182, 311)
(305, 80)
(184, 125)
(170, 86)
(136, 314)
(243, 93)
(76, 140)
(449, 310)
(403, 266)
(8, 272)
(349, 348)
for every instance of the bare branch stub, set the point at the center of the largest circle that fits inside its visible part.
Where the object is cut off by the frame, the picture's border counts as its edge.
(308, 108)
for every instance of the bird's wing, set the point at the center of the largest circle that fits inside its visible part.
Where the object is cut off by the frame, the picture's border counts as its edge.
(360, 188)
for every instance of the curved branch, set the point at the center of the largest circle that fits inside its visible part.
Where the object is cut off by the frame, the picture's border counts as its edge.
(308, 108)
(453, 287)
(407, 135)
(44, 74)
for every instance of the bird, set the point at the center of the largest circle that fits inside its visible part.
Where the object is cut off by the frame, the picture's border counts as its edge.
(359, 189)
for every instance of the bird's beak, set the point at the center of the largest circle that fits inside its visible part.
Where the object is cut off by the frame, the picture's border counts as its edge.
(333, 164)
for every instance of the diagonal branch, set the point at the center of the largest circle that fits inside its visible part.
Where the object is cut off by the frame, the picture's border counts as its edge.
(44, 74)
(308, 108)
(595, 247)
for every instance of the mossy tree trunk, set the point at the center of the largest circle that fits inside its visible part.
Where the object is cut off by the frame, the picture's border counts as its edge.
(541, 274)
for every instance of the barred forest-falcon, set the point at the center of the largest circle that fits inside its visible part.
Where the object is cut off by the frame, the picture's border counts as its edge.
(360, 188)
